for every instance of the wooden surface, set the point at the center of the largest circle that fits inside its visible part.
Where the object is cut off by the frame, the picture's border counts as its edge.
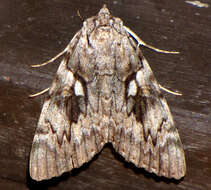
(32, 32)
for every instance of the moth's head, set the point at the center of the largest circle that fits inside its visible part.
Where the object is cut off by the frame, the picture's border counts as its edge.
(102, 23)
(103, 16)
(104, 11)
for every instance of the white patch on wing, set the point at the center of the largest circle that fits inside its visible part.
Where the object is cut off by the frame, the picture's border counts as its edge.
(140, 78)
(78, 89)
(132, 88)
(69, 78)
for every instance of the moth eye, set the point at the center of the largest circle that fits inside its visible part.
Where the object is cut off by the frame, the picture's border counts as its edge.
(78, 89)
(132, 89)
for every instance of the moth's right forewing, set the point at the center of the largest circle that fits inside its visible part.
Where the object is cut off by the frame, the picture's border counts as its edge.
(65, 137)
(50, 149)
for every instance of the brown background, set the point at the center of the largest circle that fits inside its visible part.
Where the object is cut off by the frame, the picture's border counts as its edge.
(33, 31)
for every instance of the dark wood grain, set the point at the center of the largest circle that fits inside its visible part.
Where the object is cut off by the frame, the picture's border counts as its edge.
(31, 32)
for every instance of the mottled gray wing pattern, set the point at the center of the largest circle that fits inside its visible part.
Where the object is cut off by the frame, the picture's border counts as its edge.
(64, 138)
(148, 137)
(105, 91)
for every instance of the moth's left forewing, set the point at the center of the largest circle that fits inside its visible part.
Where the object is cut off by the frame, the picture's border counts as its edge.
(148, 136)
(161, 127)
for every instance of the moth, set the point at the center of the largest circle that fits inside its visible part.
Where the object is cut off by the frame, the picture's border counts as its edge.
(105, 92)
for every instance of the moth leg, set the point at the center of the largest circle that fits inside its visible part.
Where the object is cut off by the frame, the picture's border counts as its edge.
(169, 91)
(67, 49)
(39, 93)
(142, 43)
(53, 59)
